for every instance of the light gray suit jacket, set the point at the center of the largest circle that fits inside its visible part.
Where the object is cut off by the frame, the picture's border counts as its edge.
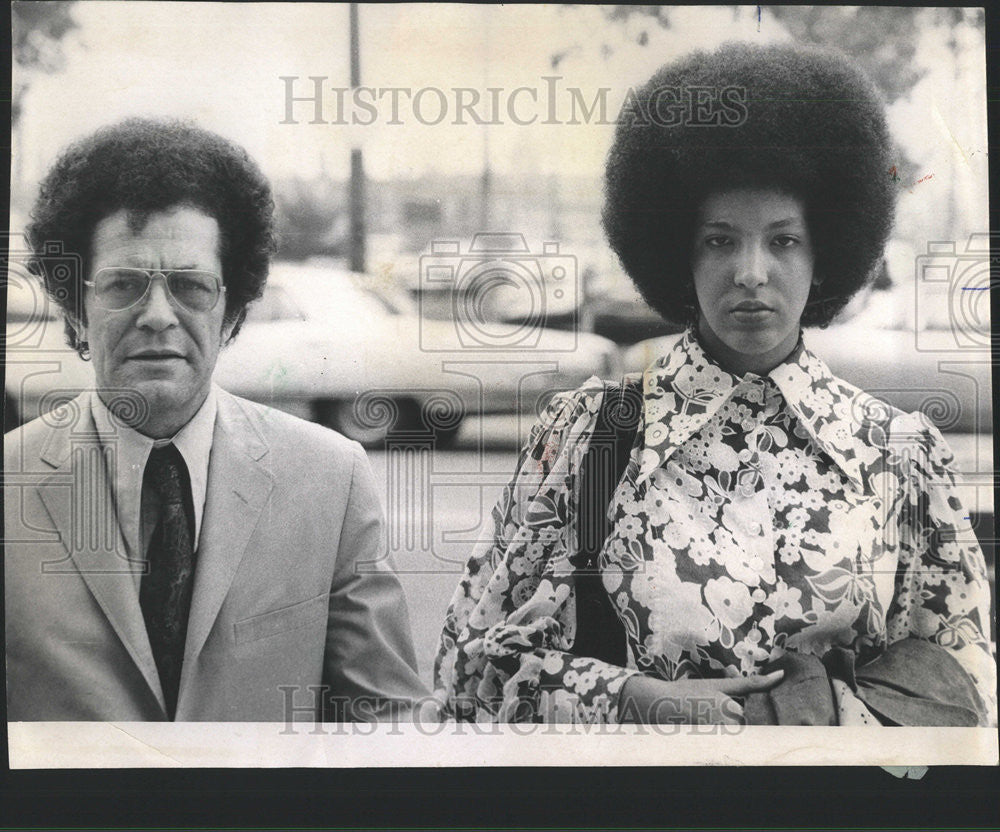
(292, 589)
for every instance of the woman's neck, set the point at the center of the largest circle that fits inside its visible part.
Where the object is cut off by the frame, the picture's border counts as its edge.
(740, 363)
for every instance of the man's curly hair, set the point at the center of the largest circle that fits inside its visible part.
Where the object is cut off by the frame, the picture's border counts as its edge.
(812, 126)
(142, 166)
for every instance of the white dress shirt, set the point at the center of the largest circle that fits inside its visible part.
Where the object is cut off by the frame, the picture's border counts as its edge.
(128, 450)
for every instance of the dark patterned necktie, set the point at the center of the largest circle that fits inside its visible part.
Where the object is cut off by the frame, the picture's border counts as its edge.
(165, 591)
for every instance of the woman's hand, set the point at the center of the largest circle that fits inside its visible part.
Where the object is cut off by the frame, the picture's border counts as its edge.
(694, 701)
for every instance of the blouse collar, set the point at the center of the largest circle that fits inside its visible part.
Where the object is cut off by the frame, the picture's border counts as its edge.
(685, 388)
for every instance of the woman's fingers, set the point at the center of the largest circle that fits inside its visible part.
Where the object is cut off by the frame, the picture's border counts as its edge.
(740, 686)
(748, 684)
(692, 701)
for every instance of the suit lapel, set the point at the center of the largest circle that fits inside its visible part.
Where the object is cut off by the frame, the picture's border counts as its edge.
(80, 501)
(238, 489)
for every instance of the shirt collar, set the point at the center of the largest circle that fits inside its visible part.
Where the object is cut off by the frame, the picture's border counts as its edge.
(194, 441)
(685, 388)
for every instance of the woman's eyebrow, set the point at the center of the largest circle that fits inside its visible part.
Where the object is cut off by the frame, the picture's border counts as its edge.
(724, 225)
(729, 226)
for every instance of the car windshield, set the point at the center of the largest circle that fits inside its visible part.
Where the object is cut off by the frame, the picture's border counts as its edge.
(327, 294)
(26, 299)
(934, 309)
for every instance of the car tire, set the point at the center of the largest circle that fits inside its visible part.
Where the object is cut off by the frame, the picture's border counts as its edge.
(407, 427)
(11, 416)
(341, 415)
(445, 438)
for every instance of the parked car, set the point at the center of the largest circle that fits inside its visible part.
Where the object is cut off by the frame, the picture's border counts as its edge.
(40, 370)
(334, 347)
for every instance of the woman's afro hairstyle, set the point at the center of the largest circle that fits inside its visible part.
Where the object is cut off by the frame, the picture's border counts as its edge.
(142, 166)
(802, 121)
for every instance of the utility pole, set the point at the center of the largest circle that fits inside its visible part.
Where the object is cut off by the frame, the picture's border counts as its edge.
(486, 179)
(356, 204)
(485, 186)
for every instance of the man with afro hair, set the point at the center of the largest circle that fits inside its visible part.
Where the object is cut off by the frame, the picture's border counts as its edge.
(174, 552)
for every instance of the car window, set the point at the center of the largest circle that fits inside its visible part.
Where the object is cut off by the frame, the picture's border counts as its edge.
(390, 304)
(395, 301)
(27, 299)
(333, 296)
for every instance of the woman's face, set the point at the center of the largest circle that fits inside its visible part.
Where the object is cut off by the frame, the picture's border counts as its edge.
(753, 268)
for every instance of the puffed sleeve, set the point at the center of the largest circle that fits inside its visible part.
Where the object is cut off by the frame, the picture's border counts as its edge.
(941, 591)
(504, 651)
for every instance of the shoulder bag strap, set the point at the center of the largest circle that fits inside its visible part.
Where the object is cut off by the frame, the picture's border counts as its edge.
(599, 632)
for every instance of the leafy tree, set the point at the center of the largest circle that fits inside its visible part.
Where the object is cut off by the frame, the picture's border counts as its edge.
(37, 33)
(309, 216)
(882, 39)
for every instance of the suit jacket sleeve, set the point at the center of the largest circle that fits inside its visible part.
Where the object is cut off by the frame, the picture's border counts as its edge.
(369, 666)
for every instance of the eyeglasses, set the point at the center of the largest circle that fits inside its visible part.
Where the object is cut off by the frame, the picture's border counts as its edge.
(118, 288)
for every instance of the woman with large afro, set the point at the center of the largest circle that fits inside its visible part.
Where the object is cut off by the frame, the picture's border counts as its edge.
(779, 547)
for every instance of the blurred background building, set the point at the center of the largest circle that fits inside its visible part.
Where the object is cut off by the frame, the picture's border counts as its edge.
(79, 65)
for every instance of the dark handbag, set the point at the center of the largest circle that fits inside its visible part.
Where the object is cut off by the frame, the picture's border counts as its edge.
(599, 631)
(912, 682)
(915, 682)
(803, 697)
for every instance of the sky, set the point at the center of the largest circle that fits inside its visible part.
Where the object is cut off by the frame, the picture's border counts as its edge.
(222, 64)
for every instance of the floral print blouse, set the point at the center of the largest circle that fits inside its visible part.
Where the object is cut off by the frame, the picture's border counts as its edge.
(756, 515)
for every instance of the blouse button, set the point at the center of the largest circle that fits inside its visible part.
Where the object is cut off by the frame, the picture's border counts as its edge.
(755, 528)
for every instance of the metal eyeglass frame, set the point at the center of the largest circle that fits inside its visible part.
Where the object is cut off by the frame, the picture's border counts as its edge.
(153, 274)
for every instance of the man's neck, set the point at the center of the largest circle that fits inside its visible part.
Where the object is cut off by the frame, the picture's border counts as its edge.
(148, 420)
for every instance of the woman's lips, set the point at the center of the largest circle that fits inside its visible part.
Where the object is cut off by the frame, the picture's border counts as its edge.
(751, 311)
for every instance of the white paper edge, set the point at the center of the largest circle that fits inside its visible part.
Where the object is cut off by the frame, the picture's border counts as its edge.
(56, 745)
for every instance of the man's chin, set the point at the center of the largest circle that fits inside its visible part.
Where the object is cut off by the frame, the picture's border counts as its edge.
(143, 403)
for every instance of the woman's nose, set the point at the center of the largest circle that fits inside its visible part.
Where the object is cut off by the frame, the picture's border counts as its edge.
(751, 267)
(157, 312)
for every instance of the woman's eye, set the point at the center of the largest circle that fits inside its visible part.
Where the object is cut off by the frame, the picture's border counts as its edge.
(786, 241)
(717, 241)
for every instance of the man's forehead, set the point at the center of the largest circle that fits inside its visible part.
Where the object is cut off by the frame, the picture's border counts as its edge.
(180, 225)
